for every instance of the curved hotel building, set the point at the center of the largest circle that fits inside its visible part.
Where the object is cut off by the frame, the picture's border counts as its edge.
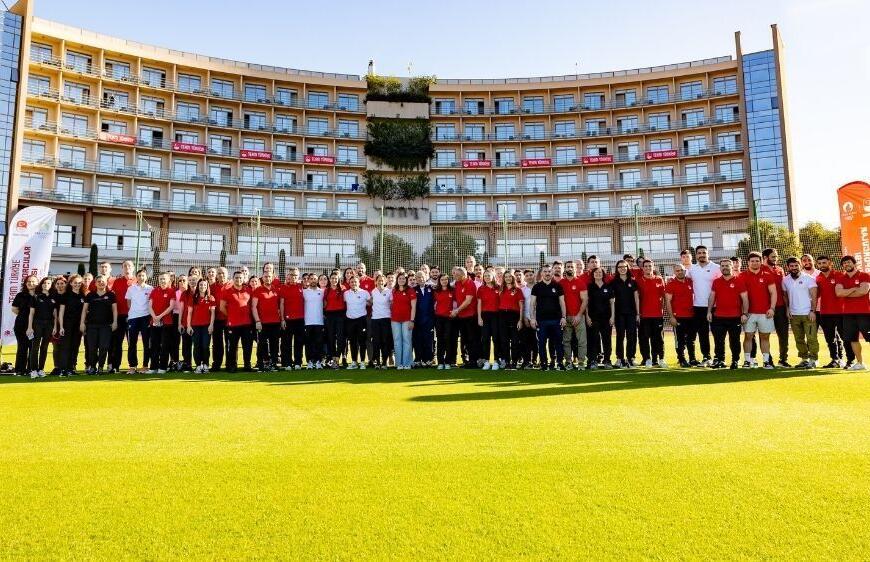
(101, 127)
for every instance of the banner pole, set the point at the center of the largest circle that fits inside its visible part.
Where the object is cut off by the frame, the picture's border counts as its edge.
(506, 245)
(257, 259)
(381, 264)
(138, 235)
(636, 231)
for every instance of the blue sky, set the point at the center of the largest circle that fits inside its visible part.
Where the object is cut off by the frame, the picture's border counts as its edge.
(826, 59)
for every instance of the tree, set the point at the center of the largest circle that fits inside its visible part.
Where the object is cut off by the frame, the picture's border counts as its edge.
(817, 240)
(640, 252)
(397, 253)
(155, 263)
(282, 264)
(93, 260)
(337, 260)
(81, 270)
(542, 260)
(223, 259)
(772, 236)
(449, 249)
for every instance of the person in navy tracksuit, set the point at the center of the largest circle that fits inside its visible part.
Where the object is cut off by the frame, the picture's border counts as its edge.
(422, 338)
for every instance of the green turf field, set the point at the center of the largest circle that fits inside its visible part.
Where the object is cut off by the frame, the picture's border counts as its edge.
(690, 464)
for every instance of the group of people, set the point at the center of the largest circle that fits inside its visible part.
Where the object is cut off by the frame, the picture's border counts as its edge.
(562, 316)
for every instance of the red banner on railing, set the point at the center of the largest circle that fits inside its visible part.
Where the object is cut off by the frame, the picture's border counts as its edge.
(477, 163)
(117, 137)
(255, 154)
(188, 147)
(660, 154)
(316, 159)
(603, 159)
(854, 201)
(535, 162)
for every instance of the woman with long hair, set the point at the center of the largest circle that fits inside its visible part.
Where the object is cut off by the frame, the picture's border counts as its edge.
(402, 315)
(487, 318)
(21, 305)
(381, 332)
(424, 322)
(69, 320)
(333, 311)
(599, 319)
(41, 326)
(99, 319)
(356, 301)
(510, 316)
(446, 344)
(313, 296)
(161, 307)
(626, 314)
(59, 291)
(200, 323)
(180, 336)
(138, 320)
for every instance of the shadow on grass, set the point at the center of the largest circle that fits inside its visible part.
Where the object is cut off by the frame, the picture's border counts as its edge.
(497, 384)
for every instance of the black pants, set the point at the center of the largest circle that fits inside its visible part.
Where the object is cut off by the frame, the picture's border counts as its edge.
(66, 350)
(355, 332)
(598, 335)
(528, 343)
(684, 338)
(186, 349)
(702, 330)
(509, 336)
(781, 324)
(219, 338)
(292, 342)
(22, 352)
(652, 346)
(235, 335)
(39, 346)
(489, 337)
(832, 329)
(98, 339)
(136, 326)
(314, 343)
(468, 330)
(446, 353)
(118, 337)
(730, 327)
(334, 334)
(201, 341)
(175, 341)
(381, 338)
(626, 336)
(422, 340)
(267, 344)
(161, 340)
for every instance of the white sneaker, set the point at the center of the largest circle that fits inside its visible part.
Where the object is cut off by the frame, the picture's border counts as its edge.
(662, 364)
(309, 366)
(486, 366)
(205, 368)
(319, 365)
(447, 367)
(440, 367)
(161, 371)
(854, 367)
(362, 366)
(494, 367)
(288, 368)
(42, 374)
(151, 371)
(351, 365)
(648, 363)
(34, 374)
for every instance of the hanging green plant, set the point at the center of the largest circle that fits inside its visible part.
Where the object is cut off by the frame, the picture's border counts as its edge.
(402, 144)
(404, 188)
(389, 88)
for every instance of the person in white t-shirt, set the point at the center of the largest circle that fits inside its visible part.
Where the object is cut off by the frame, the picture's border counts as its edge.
(138, 320)
(313, 306)
(801, 298)
(356, 300)
(702, 273)
(381, 335)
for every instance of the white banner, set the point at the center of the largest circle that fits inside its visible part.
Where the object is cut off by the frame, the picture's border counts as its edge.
(30, 237)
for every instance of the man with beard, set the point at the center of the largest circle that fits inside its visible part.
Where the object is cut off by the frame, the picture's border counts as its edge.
(801, 295)
(780, 315)
(702, 273)
(853, 288)
(830, 316)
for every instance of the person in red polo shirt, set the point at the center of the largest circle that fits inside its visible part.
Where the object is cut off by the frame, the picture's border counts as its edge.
(265, 308)
(853, 287)
(831, 314)
(333, 317)
(219, 337)
(292, 308)
(200, 321)
(510, 312)
(726, 312)
(574, 339)
(465, 316)
(162, 304)
(761, 291)
(651, 288)
(236, 305)
(679, 303)
(487, 320)
(444, 304)
(770, 257)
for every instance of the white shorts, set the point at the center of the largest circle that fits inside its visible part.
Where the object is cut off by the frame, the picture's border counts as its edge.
(758, 323)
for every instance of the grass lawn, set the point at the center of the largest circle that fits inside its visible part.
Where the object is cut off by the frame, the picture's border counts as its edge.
(433, 464)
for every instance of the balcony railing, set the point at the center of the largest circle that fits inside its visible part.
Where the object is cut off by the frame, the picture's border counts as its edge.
(578, 106)
(665, 210)
(168, 86)
(197, 208)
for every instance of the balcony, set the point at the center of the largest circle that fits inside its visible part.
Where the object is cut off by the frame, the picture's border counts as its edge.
(612, 213)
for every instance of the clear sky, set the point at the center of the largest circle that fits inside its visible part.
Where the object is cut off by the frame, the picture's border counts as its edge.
(827, 58)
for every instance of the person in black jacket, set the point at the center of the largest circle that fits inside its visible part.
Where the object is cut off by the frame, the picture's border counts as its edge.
(625, 314)
(40, 328)
(21, 305)
(99, 319)
(69, 319)
(599, 318)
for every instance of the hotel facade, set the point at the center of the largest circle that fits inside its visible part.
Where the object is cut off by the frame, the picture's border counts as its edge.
(113, 134)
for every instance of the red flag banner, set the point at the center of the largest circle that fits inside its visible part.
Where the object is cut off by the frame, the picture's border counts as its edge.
(854, 202)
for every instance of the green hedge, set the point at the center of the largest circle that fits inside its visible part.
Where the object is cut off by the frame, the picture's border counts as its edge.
(402, 144)
(405, 187)
(389, 88)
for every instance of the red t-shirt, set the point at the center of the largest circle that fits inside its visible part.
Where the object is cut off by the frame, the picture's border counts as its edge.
(161, 299)
(334, 300)
(201, 311)
(757, 289)
(443, 302)
(110, 284)
(217, 291)
(238, 303)
(728, 302)
(780, 275)
(488, 298)
(510, 299)
(636, 273)
(119, 287)
(829, 302)
(267, 304)
(294, 302)
(184, 299)
(463, 290)
(366, 283)
(401, 310)
(651, 291)
(572, 289)
(682, 297)
(855, 305)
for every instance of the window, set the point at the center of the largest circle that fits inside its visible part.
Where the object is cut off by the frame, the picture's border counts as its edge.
(317, 149)
(566, 155)
(596, 150)
(564, 129)
(533, 104)
(111, 161)
(691, 90)
(64, 236)
(348, 155)
(251, 203)
(219, 173)
(536, 182)
(183, 199)
(219, 144)
(348, 102)
(253, 144)
(693, 146)
(285, 96)
(698, 200)
(285, 124)
(255, 92)
(284, 178)
(476, 210)
(195, 242)
(31, 182)
(593, 101)
(115, 99)
(72, 188)
(659, 122)
(727, 113)
(474, 131)
(599, 245)
(117, 70)
(78, 93)
(36, 117)
(566, 181)
(35, 149)
(187, 111)
(114, 127)
(445, 210)
(537, 209)
(187, 136)
(504, 106)
(504, 183)
(255, 121)
(348, 128)
(317, 126)
(78, 61)
(564, 103)
(473, 106)
(328, 247)
(597, 180)
(445, 107)
(269, 245)
(595, 126)
(701, 239)
(651, 243)
(475, 184)
(221, 116)
(731, 169)
(628, 203)
(445, 158)
(71, 156)
(629, 178)
(222, 88)
(505, 209)
(445, 131)
(147, 196)
(504, 131)
(628, 151)
(626, 98)
(315, 207)
(189, 83)
(627, 124)
(599, 206)
(184, 170)
(728, 141)
(218, 201)
(657, 94)
(316, 179)
(285, 151)
(531, 247)
(535, 152)
(75, 124)
(533, 131)
(730, 240)
(664, 203)
(148, 166)
(151, 136)
(442, 183)
(318, 100)
(348, 181)
(725, 85)
(154, 77)
(660, 144)
(120, 239)
(693, 118)
(734, 197)
(662, 175)
(152, 106)
(40, 52)
(347, 207)
(696, 173)
(567, 208)
(253, 176)
(284, 205)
